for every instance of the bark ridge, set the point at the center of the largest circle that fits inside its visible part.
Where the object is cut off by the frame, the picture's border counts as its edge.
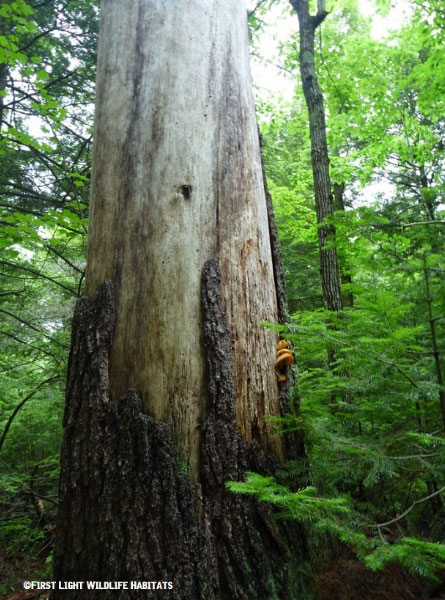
(128, 510)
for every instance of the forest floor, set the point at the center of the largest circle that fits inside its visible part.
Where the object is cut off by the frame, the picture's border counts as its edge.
(345, 578)
(13, 574)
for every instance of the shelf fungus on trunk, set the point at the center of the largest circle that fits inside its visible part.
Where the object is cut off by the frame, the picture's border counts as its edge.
(285, 358)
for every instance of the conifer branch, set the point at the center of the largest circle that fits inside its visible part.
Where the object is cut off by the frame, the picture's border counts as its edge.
(442, 489)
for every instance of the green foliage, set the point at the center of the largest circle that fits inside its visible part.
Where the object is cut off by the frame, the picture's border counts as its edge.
(20, 536)
(418, 557)
(47, 62)
(288, 167)
(373, 420)
(302, 505)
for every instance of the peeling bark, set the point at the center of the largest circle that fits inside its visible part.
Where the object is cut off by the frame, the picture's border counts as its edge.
(126, 511)
(255, 554)
(129, 512)
(177, 179)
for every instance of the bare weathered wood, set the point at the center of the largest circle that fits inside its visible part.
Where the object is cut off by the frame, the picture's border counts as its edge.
(171, 375)
(177, 180)
(128, 510)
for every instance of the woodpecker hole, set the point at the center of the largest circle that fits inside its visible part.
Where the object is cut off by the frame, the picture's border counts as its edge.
(186, 191)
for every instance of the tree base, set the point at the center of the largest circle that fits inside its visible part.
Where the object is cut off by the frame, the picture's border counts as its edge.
(128, 510)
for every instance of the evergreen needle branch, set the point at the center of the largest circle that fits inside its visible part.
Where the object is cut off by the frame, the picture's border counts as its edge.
(31, 326)
(39, 274)
(382, 248)
(21, 404)
(411, 456)
(376, 357)
(442, 489)
(392, 364)
(367, 449)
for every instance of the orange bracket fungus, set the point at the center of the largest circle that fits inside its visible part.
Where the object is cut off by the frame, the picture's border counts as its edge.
(284, 359)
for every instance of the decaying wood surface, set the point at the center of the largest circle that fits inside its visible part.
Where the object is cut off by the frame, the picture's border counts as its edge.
(128, 508)
(176, 181)
(171, 376)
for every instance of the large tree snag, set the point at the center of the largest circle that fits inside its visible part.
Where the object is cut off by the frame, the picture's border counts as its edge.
(177, 180)
(171, 375)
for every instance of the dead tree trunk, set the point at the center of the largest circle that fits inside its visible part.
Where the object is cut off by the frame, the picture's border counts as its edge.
(170, 374)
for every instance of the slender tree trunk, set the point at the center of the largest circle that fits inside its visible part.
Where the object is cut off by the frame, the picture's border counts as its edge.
(3, 82)
(435, 345)
(171, 375)
(422, 183)
(319, 151)
(338, 190)
(4, 70)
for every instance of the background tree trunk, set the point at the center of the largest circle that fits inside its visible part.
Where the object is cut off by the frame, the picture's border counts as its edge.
(171, 375)
(338, 190)
(330, 280)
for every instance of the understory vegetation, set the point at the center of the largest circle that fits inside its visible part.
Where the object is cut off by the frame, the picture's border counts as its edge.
(370, 396)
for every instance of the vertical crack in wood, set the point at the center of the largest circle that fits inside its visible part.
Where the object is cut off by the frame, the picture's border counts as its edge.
(280, 284)
(294, 442)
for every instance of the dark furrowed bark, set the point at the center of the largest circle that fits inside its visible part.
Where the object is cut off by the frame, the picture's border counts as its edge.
(319, 153)
(255, 554)
(128, 511)
(338, 190)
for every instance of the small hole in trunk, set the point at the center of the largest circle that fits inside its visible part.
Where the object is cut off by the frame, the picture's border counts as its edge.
(186, 191)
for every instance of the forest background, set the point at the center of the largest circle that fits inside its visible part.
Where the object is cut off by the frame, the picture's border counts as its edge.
(369, 396)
